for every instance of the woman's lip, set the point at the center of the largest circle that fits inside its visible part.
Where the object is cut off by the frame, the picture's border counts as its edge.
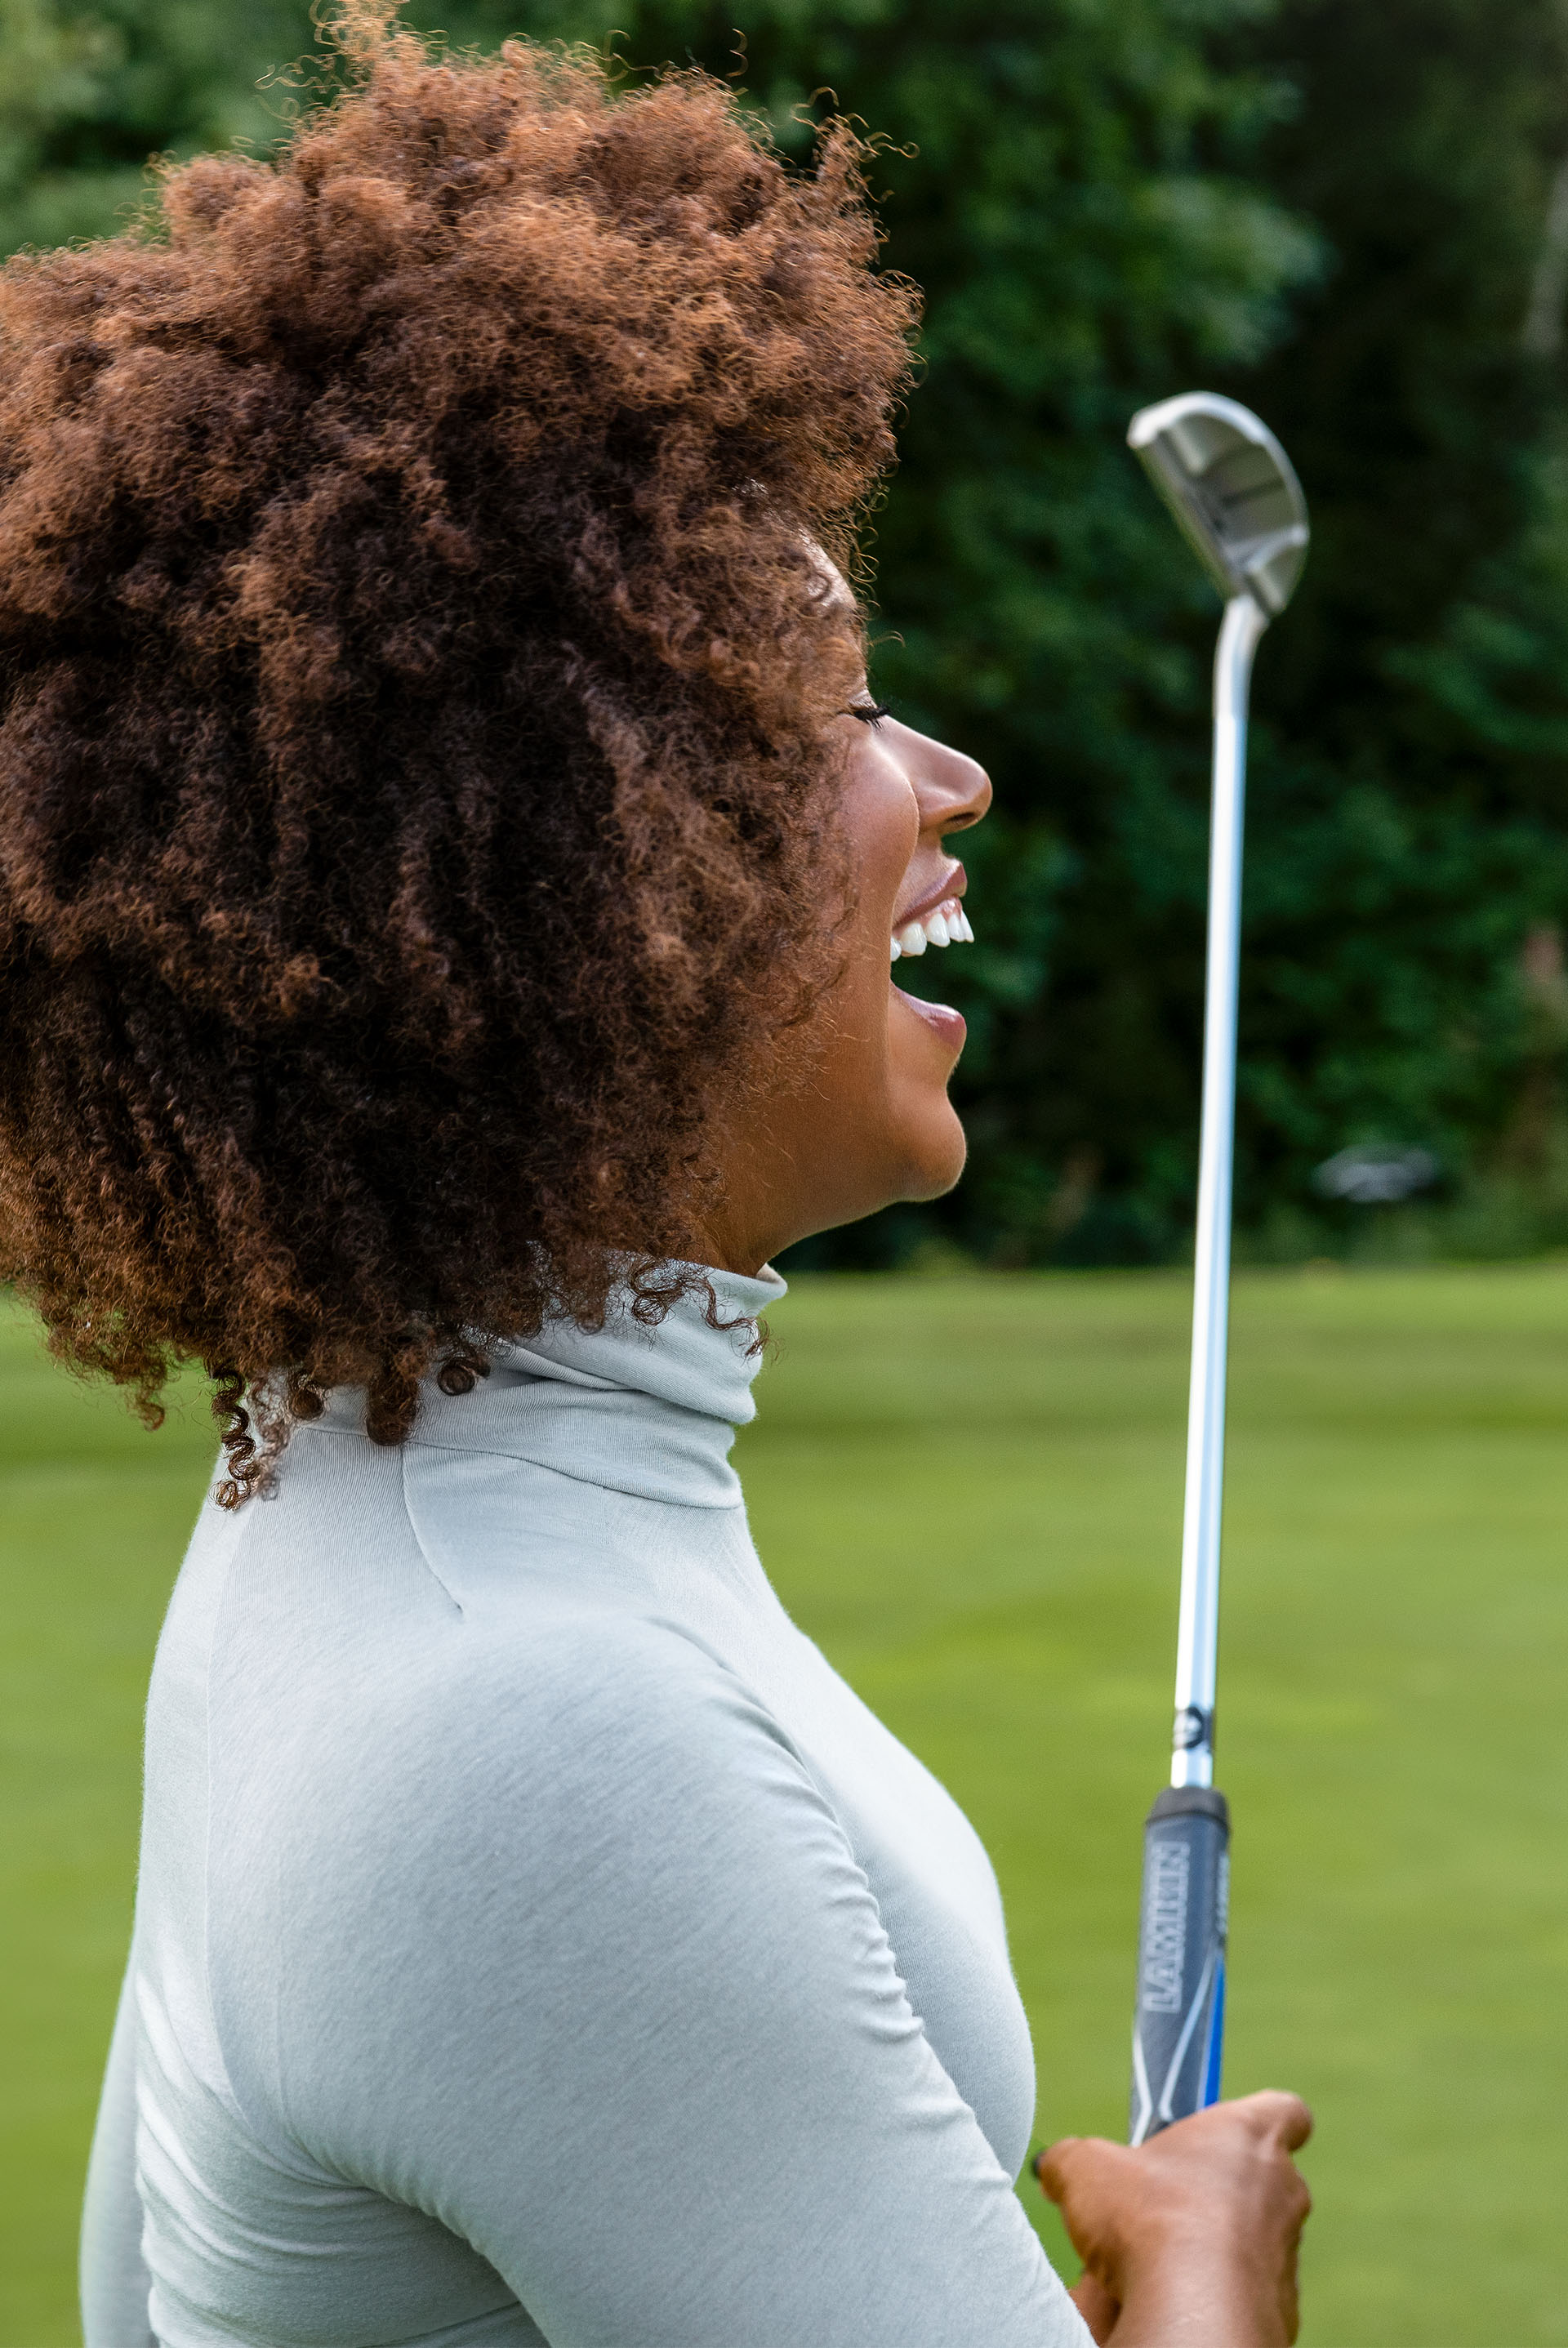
(950, 1024)
(954, 885)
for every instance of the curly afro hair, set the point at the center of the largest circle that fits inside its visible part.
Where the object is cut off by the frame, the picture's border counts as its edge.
(414, 703)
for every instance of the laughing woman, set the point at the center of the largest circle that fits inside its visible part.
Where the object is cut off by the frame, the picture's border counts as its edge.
(450, 862)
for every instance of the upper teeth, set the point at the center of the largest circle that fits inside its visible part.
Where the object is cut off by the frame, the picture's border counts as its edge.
(949, 925)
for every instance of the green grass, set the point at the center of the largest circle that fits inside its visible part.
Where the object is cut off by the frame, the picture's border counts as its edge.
(969, 1489)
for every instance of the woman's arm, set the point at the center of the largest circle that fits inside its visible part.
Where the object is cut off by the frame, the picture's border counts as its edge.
(1191, 2241)
(114, 2281)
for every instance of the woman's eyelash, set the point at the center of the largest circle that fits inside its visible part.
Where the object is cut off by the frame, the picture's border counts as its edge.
(870, 713)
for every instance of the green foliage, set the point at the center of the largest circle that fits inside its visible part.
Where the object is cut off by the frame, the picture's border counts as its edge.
(1341, 215)
(88, 93)
(1408, 817)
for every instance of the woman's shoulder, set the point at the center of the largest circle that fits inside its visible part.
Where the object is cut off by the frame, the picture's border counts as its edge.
(350, 1674)
(498, 1773)
(377, 1719)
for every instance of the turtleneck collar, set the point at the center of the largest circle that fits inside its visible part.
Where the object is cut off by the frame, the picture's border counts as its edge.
(650, 1410)
(681, 1359)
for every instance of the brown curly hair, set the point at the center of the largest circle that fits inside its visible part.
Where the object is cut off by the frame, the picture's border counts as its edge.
(414, 714)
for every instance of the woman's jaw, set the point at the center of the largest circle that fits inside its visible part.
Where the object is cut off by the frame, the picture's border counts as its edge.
(860, 1117)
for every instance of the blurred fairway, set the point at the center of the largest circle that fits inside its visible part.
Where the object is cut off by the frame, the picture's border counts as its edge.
(969, 1490)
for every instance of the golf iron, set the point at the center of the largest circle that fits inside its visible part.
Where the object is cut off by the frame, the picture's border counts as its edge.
(1230, 488)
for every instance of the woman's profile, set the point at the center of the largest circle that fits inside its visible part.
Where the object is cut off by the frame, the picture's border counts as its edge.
(451, 863)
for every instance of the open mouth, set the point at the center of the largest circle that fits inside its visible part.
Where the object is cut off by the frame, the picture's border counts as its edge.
(946, 925)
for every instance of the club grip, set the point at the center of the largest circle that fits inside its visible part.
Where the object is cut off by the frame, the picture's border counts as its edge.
(1178, 2022)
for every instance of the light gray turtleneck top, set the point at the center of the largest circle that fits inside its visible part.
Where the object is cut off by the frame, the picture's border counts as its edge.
(536, 1941)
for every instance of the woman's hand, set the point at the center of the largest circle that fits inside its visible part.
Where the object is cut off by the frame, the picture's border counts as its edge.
(1191, 2241)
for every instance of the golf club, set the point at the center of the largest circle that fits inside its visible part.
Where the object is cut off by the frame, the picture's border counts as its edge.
(1230, 488)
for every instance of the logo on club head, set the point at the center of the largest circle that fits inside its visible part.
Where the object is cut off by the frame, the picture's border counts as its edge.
(1195, 1726)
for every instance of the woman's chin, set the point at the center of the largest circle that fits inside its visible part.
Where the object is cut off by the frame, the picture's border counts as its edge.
(925, 1040)
(934, 1149)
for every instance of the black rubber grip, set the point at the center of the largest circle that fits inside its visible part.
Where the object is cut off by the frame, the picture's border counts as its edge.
(1178, 2019)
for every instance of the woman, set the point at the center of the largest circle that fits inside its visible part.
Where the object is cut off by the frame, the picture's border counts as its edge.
(450, 863)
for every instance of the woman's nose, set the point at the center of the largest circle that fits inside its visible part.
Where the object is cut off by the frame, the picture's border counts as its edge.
(953, 792)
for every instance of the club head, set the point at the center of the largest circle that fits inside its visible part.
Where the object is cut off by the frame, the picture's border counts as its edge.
(1232, 490)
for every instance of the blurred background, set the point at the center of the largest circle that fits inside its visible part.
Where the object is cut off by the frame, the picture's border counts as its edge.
(1353, 218)
(1356, 220)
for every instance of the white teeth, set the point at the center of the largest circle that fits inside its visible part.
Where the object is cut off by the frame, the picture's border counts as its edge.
(948, 926)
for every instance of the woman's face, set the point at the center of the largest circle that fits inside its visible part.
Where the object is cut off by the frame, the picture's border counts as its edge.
(869, 1120)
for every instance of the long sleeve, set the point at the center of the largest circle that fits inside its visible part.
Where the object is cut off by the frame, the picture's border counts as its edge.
(632, 2028)
(114, 2279)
